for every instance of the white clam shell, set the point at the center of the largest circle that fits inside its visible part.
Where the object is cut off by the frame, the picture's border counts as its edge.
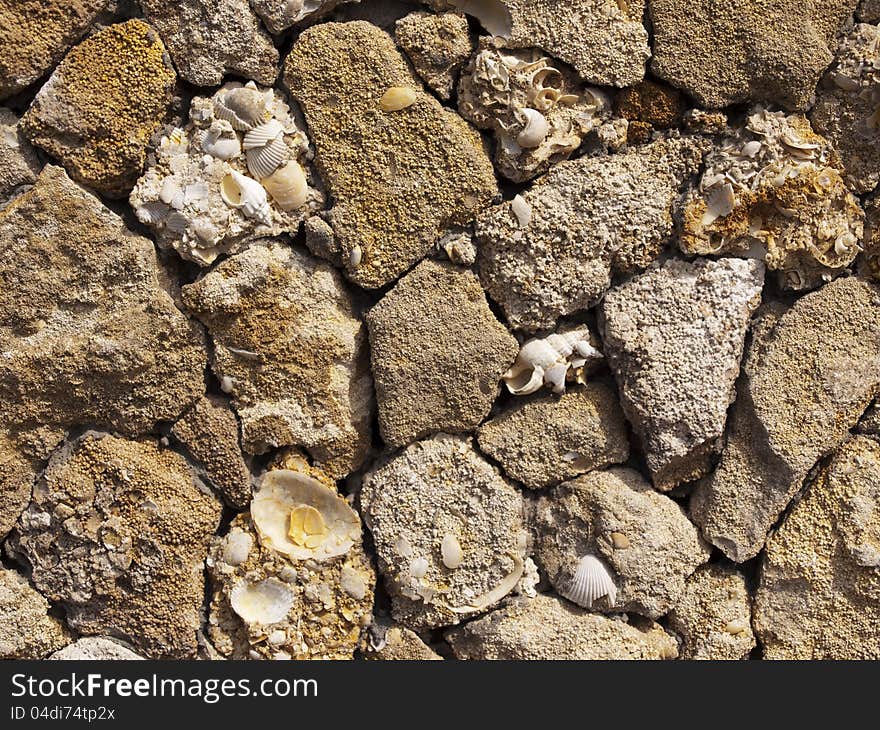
(282, 491)
(263, 603)
(236, 547)
(535, 130)
(451, 552)
(288, 186)
(591, 581)
(262, 135)
(242, 106)
(263, 161)
(246, 194)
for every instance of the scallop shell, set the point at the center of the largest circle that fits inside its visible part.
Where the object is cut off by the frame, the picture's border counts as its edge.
(303, 518)
(244, 193)
(591, 582)
(263, 135)
(535, 130)
(152, 212)
(288, 186)
(263, 603)
(263, 161)
(242, 106)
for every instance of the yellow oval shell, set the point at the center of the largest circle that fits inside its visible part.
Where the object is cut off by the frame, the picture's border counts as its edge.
(397, 98)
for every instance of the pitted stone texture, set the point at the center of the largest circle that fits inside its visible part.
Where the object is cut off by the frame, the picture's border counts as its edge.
(448, 531)
(210, 38)
(399, 179)
(209, 433)
(547, 440)
(546, 627)
(97, 112)
(117, 532)
(725, 52)
(819, 595)
(714, 616)
(806, 382)
(390, 642)
(644, 538)
(437, 46)
(869, 11)
(27, 631)
(95, 648)
(18, 160)
(291, 349)
(37, 34)
(605, 42)
(88, 332)
(589, 218)
(279, 15)
(673, 337)
(438, 353)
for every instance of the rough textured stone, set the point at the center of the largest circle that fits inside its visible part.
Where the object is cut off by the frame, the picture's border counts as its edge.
(292, 352)
(605, 42)
(448, 531)
(279, 16)
(725, 52)
(18, 160)
(331, 601)
(438, 353)
(89, 335)
(644, 538)
(819, 595)
(713, 617)
(390, 642)
(845, 110)
(209, 38)
(399, 179)
(647, 106)
(209, 433)
(544, 441)
(589, 217)
(117, 532)
(869, 11)
(95, 648)
(673, 337)
(37, 34)
(102, 104)
(437, 46)
(806, 382)
(869, 423)
(546, 627)
(26, 629)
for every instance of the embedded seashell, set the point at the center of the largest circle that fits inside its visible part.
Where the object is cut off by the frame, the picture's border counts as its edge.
(152, 212)
(244, 193)
(263, 161)
(236, 547)
(535, 129)
(221, 141)
(492, 596)
(263, 603)
(418, 567)
(262, 135)
(547, 361)
(288, 186)
(227, 384)
(522, 210)
(719, 204)
(397, 98)
(176, 222)
(355, 257)
(750, 149)
(619, 540)
(303, 518)
(591, 581)
(243, 107)
(492, 14)
(171, 193)
(451, 552)
(736, 626)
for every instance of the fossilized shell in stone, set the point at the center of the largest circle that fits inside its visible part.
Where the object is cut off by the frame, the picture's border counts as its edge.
(451, 552)
(548, 359)
(266, 602)
(591, 581)
(244, 107)
(288, 186)
(535, 130)
(719, 204)
(263, 161)
(522, 210)
(245, 193)
(492, 14)
(303, 518)
(397, 98)
(221, 141)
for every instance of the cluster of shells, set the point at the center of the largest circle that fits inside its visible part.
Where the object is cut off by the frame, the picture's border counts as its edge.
(538, 111)
(237, 171)
(774, 189)
(291, 579)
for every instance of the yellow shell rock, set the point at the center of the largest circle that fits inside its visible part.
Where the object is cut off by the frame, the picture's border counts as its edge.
(397, 98)
(302, 518)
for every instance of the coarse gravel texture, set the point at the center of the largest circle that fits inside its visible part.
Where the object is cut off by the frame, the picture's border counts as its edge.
(439, 330)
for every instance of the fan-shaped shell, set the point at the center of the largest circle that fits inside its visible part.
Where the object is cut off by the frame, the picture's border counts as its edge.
(263, 135)
(288, 186)
(242, 106)
(263, 161)
(303, 518)
(266, 602)
(591, 581)
(244, 193)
